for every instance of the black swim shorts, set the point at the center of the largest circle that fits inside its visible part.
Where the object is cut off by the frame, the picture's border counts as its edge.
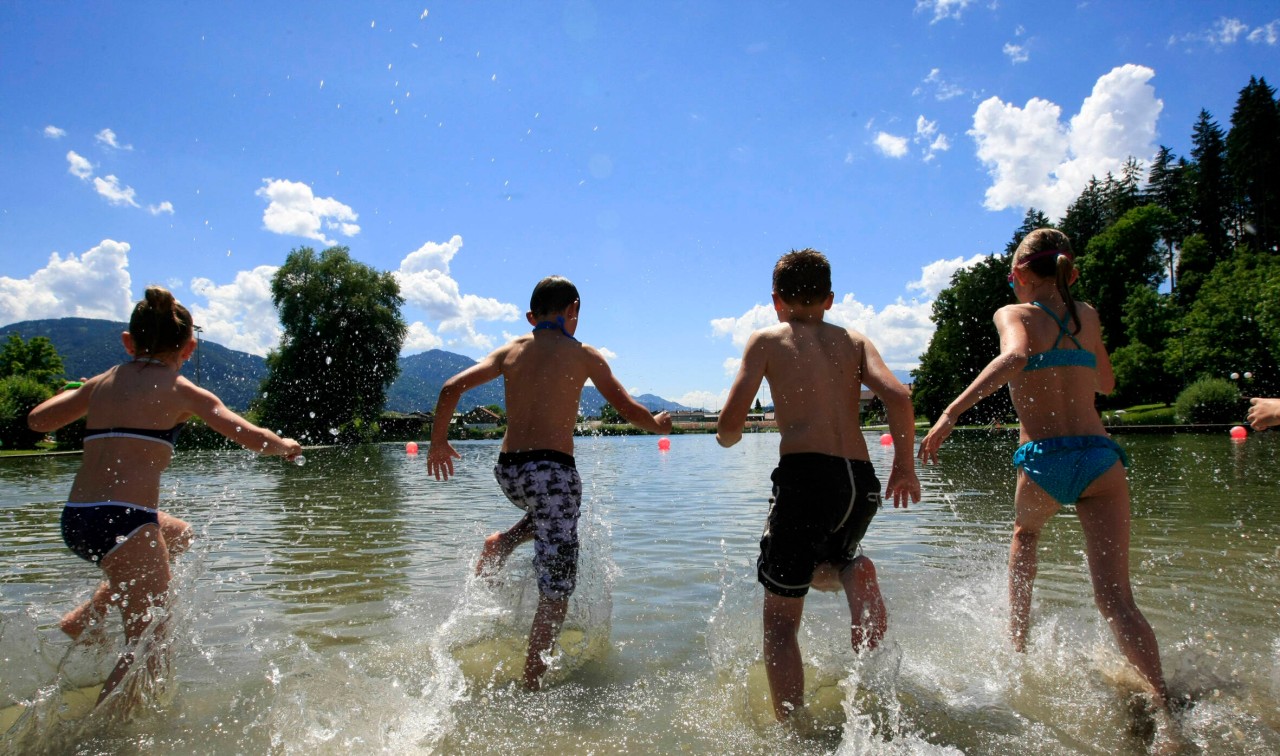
(822, 506)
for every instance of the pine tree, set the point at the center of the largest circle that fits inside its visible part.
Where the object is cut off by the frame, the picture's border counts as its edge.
(1253, 158)
(1210, 194)
(1086, 217)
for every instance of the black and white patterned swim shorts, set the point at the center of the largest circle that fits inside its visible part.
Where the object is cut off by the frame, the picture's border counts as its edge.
(545, 484)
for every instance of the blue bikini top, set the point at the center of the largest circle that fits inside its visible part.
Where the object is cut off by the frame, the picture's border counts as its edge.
(553, 325)
(167, 436)
(1055, 357)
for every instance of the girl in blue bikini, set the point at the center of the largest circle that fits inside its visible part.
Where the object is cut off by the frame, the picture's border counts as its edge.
(1052, 357)
(133, 413)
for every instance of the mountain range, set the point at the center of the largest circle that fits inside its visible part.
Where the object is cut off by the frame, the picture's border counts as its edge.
(89, 346)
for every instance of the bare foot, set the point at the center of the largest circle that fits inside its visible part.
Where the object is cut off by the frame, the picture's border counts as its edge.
(493, 555)
(85, 627)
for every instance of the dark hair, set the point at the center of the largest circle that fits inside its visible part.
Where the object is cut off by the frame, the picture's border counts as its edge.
(1047, 253)
(553, 294)
(159, 324)
(802, 277)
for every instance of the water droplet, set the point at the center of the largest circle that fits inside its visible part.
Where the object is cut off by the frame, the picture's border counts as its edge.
(299, 460)
(333, 431)
(312, 415)
(328, 360)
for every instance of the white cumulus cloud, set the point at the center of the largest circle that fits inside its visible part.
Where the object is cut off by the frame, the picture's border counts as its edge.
(92, 285)
(942, 9)
(425, 282)
(294, 210)
(419, 338)
(890, 145)
(53, 132)
(238, 315)
(110, 189)
(942, 89)
(1035, 160)
(1016, 53)
(162, 208)
(78, 166)
(107, 138)
(936, 276)
(1267, 35)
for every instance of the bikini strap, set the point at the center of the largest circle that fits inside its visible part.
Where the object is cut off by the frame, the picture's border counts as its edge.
(556, 325)
(1063, 330)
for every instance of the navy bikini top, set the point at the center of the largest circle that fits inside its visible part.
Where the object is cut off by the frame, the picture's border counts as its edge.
(168, 437)
(553, 325)
(1055, 357)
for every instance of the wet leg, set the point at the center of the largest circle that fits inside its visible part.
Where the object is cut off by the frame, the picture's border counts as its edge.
(499, 546)
(1104, 516)
(140, 567)
(542, 637)
(88, 614)
(782, 662)
(1034, 507)
(178, 534)
(867, 614)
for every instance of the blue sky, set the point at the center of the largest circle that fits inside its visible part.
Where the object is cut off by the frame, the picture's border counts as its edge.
(661, 155)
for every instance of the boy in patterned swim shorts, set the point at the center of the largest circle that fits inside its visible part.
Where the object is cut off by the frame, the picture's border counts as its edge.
(544, 373)
(825, 491)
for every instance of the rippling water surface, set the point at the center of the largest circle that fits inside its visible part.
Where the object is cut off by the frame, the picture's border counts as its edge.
(330, 609)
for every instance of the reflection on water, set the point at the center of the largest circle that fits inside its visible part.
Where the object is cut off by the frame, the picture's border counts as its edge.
(324, 608)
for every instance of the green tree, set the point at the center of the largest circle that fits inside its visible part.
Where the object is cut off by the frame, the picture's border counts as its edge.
(36, 359)
(1140, 370)
(1126, 256)
(1030, 222)
(342, 337)
(964, 342)
(497, 410)
(611, 416)
(1210, 187)
(1086, 217)
(1233, 326)
(1253, 160)
(19, 394)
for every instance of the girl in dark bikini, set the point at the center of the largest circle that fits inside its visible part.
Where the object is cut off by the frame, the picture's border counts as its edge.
(133, 413)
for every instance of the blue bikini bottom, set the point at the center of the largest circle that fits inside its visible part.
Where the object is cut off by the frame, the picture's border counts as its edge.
(1065, 466)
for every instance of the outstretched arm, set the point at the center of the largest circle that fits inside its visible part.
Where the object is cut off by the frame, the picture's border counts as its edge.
(745, 387)
(615, 394)
(1015, 350)
(64, 407)
(209, 408)
(903, 485)
(440, 454)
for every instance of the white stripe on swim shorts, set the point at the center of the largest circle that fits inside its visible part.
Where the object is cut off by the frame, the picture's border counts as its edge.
(853, 484)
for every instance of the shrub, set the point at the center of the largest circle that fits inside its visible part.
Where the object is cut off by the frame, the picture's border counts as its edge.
(18, 396)
(1209, 400)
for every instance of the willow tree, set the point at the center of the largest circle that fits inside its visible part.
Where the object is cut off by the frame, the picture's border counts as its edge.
(328, 379)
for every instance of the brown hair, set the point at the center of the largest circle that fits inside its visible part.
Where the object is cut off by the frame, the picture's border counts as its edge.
(553, 294)
(1047, 253)
(802, 277)
(159, 324)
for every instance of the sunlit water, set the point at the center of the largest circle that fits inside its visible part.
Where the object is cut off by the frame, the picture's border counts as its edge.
(330, 609)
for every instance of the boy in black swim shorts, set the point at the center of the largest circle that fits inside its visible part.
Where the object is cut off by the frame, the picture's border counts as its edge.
(544, 373)
(825, 491)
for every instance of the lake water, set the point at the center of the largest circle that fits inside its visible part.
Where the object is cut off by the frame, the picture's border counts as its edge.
(330, 609)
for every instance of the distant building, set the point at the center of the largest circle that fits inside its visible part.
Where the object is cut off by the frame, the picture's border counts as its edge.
(480, 418)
